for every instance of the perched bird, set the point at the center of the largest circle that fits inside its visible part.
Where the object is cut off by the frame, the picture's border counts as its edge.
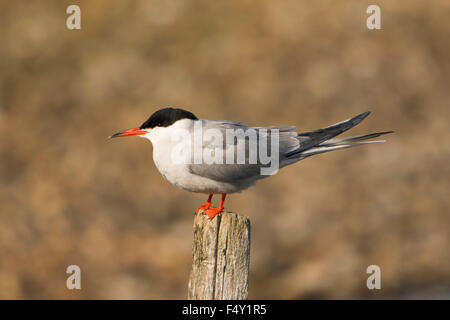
(223, 177)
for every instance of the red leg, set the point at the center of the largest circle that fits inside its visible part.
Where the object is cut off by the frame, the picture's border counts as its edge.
(212, 212)
(206, 205)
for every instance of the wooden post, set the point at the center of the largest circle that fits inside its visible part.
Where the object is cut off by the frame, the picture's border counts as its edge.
(220, 257)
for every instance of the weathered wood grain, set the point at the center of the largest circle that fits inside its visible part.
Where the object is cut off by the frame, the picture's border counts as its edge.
(220, 257)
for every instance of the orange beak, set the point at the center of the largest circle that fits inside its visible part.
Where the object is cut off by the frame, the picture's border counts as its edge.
(129, 132)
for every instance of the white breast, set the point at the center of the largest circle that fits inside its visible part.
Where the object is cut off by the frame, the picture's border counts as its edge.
(176, 171)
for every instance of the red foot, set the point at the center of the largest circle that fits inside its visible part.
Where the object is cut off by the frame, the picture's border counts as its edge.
(212, 212)
(203, 207)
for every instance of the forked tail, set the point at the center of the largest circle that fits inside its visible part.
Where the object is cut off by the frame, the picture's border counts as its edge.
(320, 140)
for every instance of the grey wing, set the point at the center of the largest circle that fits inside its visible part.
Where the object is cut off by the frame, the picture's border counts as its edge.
(292, 147)
(320, 140)
(314, 138)
(235, 171)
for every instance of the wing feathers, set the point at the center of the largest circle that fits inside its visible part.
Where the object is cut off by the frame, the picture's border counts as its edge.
(292, 147)
(313, 138)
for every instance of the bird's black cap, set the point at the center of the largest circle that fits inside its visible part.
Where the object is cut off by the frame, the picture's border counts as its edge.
(166, 117)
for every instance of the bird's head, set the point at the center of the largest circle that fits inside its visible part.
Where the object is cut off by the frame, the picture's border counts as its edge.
(162, 118)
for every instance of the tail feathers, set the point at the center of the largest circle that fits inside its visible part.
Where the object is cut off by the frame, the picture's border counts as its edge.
(336, 144)
(314, 138)
(348, 140)
(329, 147)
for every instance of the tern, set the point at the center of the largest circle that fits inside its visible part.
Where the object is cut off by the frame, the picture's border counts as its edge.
(225, 177)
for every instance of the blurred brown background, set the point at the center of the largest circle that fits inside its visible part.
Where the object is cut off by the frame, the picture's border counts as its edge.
(71, 196)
